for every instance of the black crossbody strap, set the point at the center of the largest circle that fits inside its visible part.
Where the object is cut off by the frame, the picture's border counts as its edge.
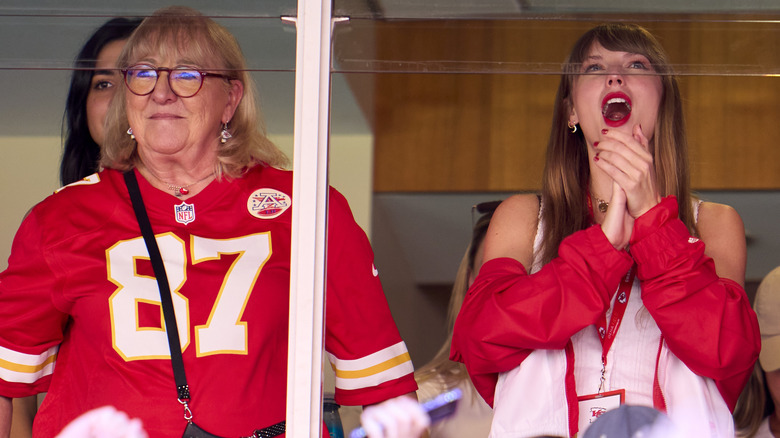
(171, 328)
(182, 389)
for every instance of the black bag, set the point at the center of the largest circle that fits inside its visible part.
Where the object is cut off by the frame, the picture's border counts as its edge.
(194, 431)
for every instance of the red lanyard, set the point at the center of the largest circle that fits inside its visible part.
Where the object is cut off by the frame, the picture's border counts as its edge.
(607, 334)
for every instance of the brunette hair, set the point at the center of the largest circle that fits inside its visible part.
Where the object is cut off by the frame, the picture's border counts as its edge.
(183, 30)
(567, 171)
(80, 152)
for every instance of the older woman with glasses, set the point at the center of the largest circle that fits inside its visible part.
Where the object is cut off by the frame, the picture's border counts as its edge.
(192, 193)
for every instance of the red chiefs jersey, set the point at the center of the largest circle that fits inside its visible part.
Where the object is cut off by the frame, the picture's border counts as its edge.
(80, 313)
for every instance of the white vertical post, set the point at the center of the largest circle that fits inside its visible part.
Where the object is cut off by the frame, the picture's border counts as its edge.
(307, 269)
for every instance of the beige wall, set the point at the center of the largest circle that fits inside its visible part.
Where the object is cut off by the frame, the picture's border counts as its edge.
(29, 172)
(351, 171)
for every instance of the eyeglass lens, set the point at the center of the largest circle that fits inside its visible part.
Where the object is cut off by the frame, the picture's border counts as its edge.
(141, 80)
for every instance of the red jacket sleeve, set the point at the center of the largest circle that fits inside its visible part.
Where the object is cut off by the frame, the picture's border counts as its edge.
(706, 321)
(507, 313)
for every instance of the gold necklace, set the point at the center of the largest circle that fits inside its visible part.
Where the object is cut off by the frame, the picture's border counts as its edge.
(179, 191)
(602, 204)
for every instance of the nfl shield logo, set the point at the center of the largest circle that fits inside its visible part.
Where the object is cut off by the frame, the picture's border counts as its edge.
(185, 213)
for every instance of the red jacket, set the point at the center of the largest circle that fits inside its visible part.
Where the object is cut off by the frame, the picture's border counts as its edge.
(706, 321)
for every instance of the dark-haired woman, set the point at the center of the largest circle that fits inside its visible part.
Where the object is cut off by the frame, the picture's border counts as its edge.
(92, 86)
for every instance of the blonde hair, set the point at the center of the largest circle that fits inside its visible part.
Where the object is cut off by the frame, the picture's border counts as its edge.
(567, 170)
(181, 30)
(450, 373)
(753, 405)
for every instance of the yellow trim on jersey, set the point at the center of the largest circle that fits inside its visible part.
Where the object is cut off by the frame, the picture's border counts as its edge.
(383, 366)
(19, 368)
(26, 368)
(88, 180)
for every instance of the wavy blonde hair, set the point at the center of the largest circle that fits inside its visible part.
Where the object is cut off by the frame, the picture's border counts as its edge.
(567, 171)
(753, 405)
(450, 373)
(179, 30)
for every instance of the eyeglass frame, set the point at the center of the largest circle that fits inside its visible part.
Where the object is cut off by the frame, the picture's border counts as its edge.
(157, 70)
(484, 209)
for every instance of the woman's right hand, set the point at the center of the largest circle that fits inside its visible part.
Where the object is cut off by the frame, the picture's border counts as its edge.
(400, 417)
(618, 223)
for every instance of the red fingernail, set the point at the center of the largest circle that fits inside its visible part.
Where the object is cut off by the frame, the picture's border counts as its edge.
(595, 143)
(596, 157)
(604, 131)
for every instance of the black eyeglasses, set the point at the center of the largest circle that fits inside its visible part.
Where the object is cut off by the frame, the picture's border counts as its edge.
(482, 209)
(183, 81)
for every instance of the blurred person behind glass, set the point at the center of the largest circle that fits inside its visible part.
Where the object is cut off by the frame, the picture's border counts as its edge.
(472, 416)
(94, 81)
(757, 414)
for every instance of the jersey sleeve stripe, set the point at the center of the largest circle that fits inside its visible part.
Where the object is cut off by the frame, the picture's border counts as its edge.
(375, 379)
(26, 368)
(383, 366)
(370, 360)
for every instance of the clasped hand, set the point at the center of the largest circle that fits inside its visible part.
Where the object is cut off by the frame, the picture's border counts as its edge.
(628, 161)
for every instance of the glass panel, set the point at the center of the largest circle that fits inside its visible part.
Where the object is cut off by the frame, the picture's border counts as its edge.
(40, 41)
(545, 9)
(458, 97)
(117, 8)
(722, 45)
(36, 67)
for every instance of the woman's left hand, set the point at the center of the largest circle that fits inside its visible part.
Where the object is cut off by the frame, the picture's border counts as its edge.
(400, 417)
(627, 159)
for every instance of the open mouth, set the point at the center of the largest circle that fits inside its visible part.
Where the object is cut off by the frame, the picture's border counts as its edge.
(616, 109)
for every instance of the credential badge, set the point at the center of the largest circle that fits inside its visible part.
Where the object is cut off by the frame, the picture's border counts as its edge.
(185, 213)
(267, 203)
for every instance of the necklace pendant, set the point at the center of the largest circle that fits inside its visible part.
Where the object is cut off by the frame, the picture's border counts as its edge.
(183, 191)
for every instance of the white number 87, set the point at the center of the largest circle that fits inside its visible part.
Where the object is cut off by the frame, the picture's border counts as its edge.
(223, 333)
